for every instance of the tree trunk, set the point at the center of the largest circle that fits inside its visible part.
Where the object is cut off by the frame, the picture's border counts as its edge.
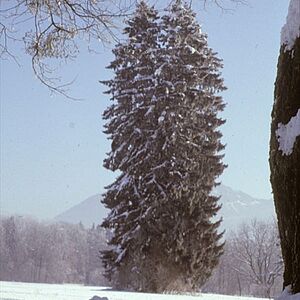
(285, 167)
(239, 284)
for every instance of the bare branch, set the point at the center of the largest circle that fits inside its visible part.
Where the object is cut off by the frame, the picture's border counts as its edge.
(255, 248)
(223, 4)
(52, 29)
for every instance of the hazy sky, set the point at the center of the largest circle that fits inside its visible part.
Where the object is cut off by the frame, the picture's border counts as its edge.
(52, 148)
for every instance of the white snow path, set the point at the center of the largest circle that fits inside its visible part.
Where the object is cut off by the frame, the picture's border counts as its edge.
(291, 30)
(287, 134)
(37, 291)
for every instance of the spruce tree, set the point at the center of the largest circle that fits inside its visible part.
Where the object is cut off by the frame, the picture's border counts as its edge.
(188, 147)
(166, 143)
(133, 91)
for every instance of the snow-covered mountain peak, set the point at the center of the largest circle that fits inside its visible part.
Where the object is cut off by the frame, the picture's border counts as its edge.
(237, 207)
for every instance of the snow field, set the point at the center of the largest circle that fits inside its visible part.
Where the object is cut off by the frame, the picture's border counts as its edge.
(37, 291)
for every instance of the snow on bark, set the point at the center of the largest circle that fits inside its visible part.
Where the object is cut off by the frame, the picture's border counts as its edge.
(287, 134)
(291, 30)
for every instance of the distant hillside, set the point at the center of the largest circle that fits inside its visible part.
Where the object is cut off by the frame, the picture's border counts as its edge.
(237, 207)
(88, 212)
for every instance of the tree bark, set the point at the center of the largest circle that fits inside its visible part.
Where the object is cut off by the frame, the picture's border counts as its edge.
(285, 168)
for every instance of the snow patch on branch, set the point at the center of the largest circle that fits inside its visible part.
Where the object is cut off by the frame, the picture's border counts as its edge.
(287, 134)
(287, 295)
(291, 30)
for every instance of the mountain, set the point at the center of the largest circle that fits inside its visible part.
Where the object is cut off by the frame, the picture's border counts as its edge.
(88, 212)
(237, 208)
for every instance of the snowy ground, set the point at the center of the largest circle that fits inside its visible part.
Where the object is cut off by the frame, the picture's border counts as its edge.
(35, 291)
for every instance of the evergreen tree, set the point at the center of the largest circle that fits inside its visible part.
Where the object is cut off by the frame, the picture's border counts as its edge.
(188, 146)
(166, 143)
(133, 91)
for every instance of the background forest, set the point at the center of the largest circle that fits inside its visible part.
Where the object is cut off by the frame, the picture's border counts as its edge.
(33, 251)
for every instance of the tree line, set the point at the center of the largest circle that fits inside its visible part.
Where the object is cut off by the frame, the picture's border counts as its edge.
(33, 251)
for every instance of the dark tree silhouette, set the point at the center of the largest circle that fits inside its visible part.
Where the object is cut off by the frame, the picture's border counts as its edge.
(285, 150)
(164, 127)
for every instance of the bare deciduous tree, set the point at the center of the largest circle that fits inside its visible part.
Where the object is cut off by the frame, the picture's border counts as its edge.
(251, 264)
(53, 28)
(53, 253)
(222, 4)
(257, 252)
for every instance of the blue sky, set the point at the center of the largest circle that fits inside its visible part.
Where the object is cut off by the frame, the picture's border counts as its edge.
(52, 148)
